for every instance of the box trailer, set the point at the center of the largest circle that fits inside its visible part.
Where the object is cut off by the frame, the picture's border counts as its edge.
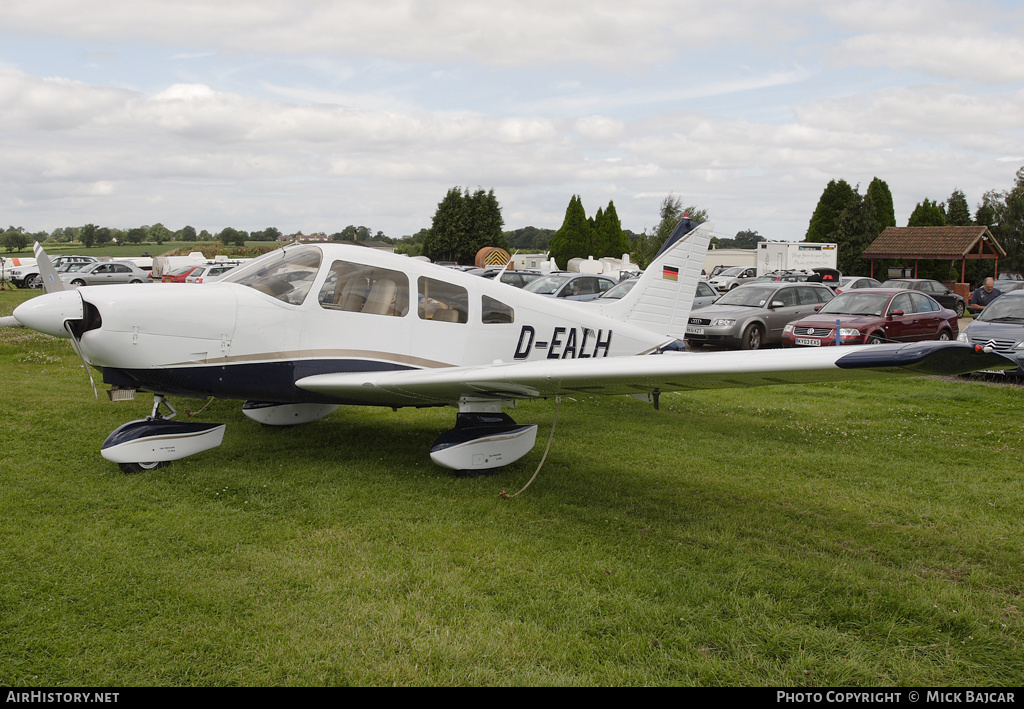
(794, 256)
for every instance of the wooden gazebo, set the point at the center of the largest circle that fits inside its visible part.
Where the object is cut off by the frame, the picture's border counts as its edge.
(935, 243)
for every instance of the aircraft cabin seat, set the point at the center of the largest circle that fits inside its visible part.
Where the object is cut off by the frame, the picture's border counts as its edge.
(382, 297)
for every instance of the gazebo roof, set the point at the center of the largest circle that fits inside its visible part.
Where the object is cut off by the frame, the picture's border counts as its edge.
(935, 242)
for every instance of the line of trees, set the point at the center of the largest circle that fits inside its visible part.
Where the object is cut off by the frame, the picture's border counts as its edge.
(853, 221)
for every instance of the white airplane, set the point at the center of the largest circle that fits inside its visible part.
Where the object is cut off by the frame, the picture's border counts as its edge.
(308, 328)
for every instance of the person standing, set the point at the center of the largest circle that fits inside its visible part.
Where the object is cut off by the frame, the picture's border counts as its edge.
(981, 297)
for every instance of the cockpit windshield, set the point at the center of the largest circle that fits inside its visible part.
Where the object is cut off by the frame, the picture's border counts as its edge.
(286, 274)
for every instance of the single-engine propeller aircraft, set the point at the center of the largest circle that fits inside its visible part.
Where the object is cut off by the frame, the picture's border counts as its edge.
(308, 328)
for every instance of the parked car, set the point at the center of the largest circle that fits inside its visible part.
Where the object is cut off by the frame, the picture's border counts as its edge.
(754, 315)
(28, 276)
(946, 297)
(869, 316)
(102, 273)
(208, 272)
(854, 282)
(178, 275)
(705, 296)
(732, 277)
(828, 276)
(574, 286)
(519, 279)
(1005, 287)
(1000, 325)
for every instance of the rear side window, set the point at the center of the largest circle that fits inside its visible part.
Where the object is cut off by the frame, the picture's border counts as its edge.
(442, 301)
(494, 312)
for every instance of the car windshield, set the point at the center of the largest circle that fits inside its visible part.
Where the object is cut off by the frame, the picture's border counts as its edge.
(751, 296)
(616, 292)
(1003, 310)
(734, 271)
(856, 304)
(896, 284)
(547, 285)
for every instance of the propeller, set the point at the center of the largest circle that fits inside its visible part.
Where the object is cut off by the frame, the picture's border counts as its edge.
(51, 281)
(57, 312)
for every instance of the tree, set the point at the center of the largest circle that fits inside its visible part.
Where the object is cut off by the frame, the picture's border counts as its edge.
(159, 233)
(14, 240)
(880, 195)
(927, 213)
(449, 230)
(1009, 226)
(838, 196)
(186, 233)
(671, 212)
(851, 221)
(463, 224)
(485, 222)
(572, 240)
(135, 235)
(958, 213)
(856, 226)
(88, 235)
(230, 235)
(608, 238)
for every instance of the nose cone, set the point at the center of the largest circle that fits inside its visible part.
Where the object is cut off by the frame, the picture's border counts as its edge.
(47, 313)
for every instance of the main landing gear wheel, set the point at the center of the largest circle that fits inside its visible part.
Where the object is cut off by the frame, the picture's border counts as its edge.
(132, 468)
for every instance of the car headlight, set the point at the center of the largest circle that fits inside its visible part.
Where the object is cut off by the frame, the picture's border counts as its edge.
(962, 337)
(722, 322)
(788, 329)
(849, 332)
(1020, 345)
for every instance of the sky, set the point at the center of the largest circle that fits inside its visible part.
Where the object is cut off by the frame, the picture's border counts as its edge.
(311, 115)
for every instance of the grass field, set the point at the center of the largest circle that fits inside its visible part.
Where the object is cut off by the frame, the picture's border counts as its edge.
(864, 534)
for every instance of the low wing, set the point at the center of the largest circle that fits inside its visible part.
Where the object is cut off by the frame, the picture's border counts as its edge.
(652, 373)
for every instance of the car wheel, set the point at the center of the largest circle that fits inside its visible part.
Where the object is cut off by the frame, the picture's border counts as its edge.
(960, 309)
(34, 281)
(135, 281)
(875, 339)
(753, 337)
(78, 282)
(945, 335)
(132, 468)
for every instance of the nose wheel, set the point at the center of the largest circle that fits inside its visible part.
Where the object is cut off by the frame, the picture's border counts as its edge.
(149, 443)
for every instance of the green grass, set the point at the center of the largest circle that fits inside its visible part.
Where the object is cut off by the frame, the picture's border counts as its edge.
(830, 535)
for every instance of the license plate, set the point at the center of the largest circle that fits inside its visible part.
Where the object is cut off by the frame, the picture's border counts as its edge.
(695, 330)
(806, 341)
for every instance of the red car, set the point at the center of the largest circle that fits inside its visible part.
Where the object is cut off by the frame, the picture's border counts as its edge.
(869, 316)
(178, 275)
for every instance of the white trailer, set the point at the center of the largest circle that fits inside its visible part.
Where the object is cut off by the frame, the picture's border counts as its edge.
(794, 256)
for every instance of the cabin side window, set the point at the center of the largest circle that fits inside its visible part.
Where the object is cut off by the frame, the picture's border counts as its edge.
(496, 312)
(358, 288)
(439, 300)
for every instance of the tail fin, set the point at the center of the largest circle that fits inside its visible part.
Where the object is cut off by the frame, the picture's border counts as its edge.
(51, 281)
(661, 299)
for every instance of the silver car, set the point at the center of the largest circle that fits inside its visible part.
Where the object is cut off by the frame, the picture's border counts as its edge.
(754, 315)
(732, 277)
(104, 272)
(574, 286)
(704, 297)
(28, 276)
